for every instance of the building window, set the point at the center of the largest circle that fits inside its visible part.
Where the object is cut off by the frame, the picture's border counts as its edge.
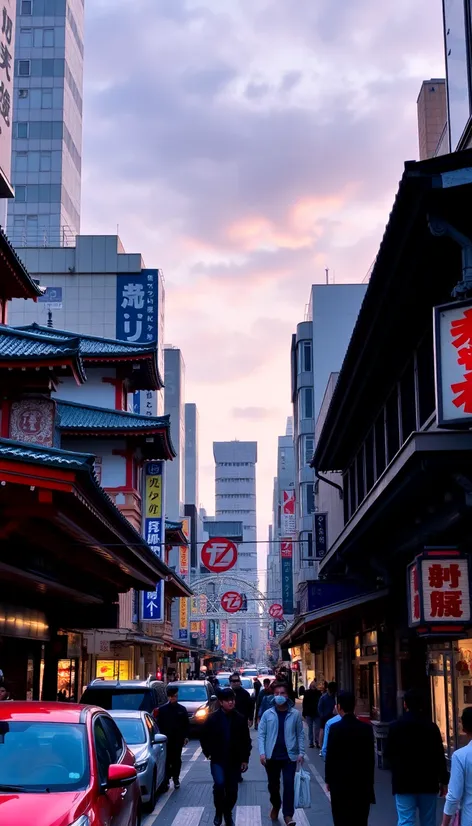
(21, 162)
(26, 7)
(307, 444)
(22, 129)
(26, 37)
(24, 68)
(45, 162)
(306, 403)
(20, 194)
(304, 357)
(46, 99)
(309, 498)
(48, 38)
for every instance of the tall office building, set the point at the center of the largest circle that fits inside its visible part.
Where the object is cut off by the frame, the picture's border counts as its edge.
(47, 123)
(191, 455)
(283, 510)
(174, 405)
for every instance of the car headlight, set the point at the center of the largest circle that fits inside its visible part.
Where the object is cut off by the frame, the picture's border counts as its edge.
(201, 713)
(82, 821)
(141, 767)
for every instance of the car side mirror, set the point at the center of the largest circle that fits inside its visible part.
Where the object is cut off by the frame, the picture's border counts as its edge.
(120, 775)
(160, 738)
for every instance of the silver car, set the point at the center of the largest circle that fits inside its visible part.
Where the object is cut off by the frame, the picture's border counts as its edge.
(149, 748)
(198, 698)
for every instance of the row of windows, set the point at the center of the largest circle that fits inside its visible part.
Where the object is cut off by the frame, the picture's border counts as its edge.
(38, 194)
(75, 31)
(48, 130)
(38, 38)
(234, 510)
(43, 8)
(37, 161)
(235, 464)
(236, 495)
(49, 67)
(235, 479)
(40, 98)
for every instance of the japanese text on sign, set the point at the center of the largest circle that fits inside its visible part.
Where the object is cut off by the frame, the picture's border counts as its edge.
(321, 539)
(7, 46)
(446, 590)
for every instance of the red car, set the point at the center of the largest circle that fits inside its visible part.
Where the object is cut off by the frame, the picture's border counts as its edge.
(65, 765)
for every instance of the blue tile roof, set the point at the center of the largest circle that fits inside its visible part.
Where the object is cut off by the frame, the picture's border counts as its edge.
(95, 346)
(20, 345)
(74, 416)
(21, 451)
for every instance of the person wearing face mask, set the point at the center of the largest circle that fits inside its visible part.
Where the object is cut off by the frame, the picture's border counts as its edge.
(281, 742)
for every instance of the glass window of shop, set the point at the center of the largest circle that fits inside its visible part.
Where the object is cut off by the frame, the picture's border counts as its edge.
(112, 669)
(457, 44)
(366, 675)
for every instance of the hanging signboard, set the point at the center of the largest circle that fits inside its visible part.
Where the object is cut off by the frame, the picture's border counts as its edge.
(153, 608)
(276, 611)
(288, 512)
(184, 550)
(183, 618)
(219, 555)
(321, 538)
(286, 557)
(231, 602)
(453, 363)
(439, 592)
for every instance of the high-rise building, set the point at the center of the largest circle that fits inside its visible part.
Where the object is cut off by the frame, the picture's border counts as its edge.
(191, 455)
(283, 511)
(432, 119)
(47, 123)
(318, 349)
(174, 406)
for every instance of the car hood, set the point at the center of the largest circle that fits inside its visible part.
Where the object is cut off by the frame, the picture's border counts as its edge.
(140, 752)
(55, 809)
(193, 706)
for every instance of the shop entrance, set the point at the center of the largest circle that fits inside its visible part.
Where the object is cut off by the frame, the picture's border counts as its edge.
(442, 696)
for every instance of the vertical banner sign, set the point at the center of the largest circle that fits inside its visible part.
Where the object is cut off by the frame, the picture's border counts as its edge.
(153, 606)
(288, 512)
(137, 322)
(224, 635)
(321, 536)
(7, 47)
(184, 565)
(286, 557)
(183, 618)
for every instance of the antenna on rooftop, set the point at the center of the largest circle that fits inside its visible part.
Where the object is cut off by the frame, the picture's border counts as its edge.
(327, 275)
(49, 318)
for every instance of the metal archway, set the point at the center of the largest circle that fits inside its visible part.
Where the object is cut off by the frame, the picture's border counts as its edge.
(213, 588)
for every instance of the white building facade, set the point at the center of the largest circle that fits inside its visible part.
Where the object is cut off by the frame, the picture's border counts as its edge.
(47, 123)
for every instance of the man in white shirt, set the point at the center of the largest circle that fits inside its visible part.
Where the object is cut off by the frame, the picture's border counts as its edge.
(459, 795)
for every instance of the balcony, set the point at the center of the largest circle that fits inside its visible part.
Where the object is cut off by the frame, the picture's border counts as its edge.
(128, 501)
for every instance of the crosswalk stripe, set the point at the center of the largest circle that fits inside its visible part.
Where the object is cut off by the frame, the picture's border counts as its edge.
(300, 818)
(188, 816)
(248, 816)
(196, 755)
(150, 819)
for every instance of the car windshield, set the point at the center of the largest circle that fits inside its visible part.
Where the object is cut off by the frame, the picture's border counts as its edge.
(223, 681)
(246, 682)
(43, 757)
(114, 698)
(250, 672)
(192, 694)
(132, 730)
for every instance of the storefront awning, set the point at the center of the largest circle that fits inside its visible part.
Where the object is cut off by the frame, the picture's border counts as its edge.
(299, 630)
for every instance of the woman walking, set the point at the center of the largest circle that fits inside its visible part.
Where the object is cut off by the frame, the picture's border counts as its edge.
(311, 715)
(459, 796)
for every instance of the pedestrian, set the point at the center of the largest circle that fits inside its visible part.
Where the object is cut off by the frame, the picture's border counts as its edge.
(459, 795)
(326, 706)
(257, 687)
(310, 713)
(226, 742)
(4, 693)
(267, 701)
(173, 722)
(336, 719)
(244, 701)
(350, 766)
(264, 692)
(281, 742)
(416, 754)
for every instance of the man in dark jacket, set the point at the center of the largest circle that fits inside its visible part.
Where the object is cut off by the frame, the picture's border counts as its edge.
(326, 706)
(264, 692)
(226, 742)
(244, 701)
(173, 722)
(416, 754)
(350, 766)
(311, 714)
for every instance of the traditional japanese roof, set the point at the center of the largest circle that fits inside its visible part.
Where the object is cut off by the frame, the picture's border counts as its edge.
(79, 419)
(140, 558)
(175, 533)
(24, 349)
(97, 350)
(15, 280)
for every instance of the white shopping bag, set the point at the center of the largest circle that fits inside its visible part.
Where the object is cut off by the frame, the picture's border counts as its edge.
(302, 789)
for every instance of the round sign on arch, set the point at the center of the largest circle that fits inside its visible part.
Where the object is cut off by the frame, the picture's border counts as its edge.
(276, 611)
(219, 555)
(231, 602)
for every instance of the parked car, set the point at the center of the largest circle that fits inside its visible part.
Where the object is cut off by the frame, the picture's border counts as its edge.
(249, 672)
(64, 764)
(149, 748)
(198, 698)
(246, 682)
(126, 695)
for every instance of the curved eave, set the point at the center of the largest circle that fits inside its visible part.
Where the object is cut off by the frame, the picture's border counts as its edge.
(164, 442)
(73, 363)
(20, 284)
(151, 380)
(176, 587)
(175, 537)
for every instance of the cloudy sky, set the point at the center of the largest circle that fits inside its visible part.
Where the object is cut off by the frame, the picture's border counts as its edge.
(243, 146)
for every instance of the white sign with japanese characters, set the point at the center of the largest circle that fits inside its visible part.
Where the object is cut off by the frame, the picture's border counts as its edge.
(7, 51)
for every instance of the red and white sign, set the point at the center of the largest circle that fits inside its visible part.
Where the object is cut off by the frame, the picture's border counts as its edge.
(288, 512)
(439, 591)
(453, 367)
(276, 611)
(219, 555)
(33, 420)
(231, 602)
(286, 549)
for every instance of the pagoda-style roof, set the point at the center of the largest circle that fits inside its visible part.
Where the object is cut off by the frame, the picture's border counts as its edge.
(29, 350)
(15, 280)
(175, 533)
(102, 351)
(80, 513)
(82, 419)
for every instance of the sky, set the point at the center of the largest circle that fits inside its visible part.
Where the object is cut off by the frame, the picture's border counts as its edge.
(243, 146)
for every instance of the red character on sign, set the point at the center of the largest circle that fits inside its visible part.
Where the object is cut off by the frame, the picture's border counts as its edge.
(461, 334)
(446, 604)
(461, 330)
(440, 574)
